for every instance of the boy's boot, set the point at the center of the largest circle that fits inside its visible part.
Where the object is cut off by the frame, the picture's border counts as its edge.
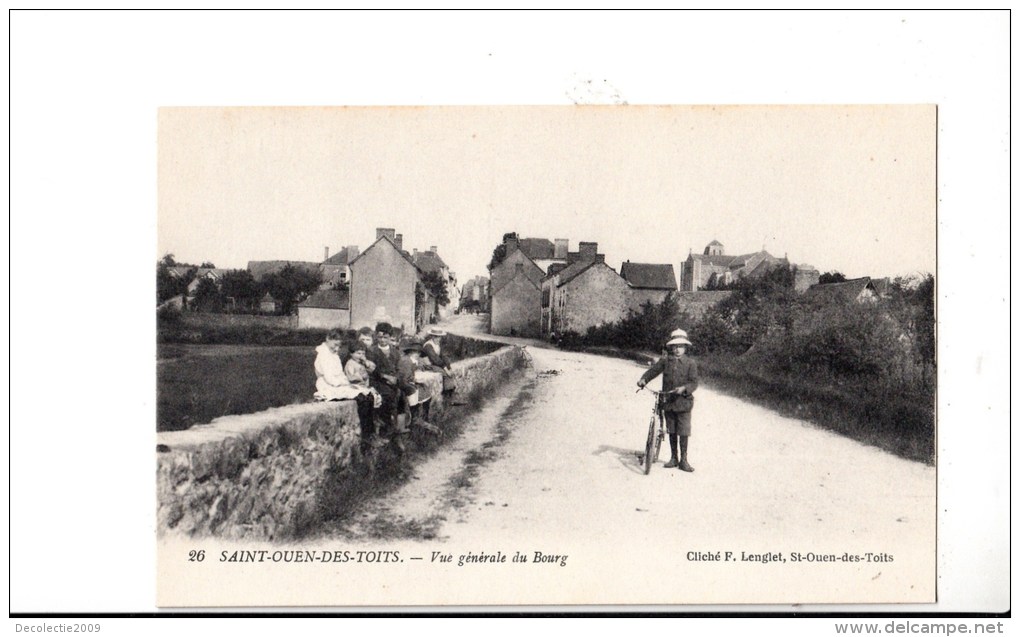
(672, 453)
(684, 466)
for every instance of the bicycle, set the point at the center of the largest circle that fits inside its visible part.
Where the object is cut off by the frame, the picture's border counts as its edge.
(653, 443)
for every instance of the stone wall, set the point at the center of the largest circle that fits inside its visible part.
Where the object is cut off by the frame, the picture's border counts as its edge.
(697, 303)
(261, 476)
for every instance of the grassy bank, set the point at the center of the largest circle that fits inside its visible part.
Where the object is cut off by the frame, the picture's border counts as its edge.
(886, 417)
(890, 418)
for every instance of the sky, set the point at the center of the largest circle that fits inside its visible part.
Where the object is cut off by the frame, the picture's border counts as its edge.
(846, 188)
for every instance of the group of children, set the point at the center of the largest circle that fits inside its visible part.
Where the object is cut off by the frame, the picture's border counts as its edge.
(378, 372)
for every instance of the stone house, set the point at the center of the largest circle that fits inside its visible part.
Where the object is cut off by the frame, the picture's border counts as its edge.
(325, 309)
(475, 294)
(586, 293)
(430, 261)
(336, 268)
(515, 295)
(649, 282)
(383, 284)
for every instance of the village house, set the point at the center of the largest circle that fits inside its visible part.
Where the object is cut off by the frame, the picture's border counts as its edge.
(430, 261)
(649, 282)
(383, 287)
(714, 269)
(474, 295)
(335, 269)
(586, 293)
(325, 309)
(515, 294)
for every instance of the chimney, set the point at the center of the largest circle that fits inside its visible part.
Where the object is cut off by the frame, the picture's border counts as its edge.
(588, 250)
(415, 252)
(510, 243)
(398, 240)
(325, 254)
(561, 249)
(384, 232)
(352, 253)
(433, 249)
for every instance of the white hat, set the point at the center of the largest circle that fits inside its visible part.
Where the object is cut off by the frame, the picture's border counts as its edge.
(678, 333)
(678, 340)
(435, 331)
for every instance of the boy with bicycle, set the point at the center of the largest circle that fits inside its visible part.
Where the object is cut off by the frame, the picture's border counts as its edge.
(679, 376)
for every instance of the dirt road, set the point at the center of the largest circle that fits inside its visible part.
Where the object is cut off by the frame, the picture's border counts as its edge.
(551, 466)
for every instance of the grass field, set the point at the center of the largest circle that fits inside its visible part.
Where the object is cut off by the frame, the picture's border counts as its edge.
(197, 383)
(209, 367)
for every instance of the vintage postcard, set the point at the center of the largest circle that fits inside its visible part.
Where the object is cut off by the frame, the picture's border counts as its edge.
(642, 356)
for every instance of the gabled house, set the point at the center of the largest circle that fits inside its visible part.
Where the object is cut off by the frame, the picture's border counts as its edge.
(860, 290)
(383, 284)
(325, 309)
(336, 268)
(430, 261)
(515, 296)
(212, 274)
(586, 293)
(649, 282)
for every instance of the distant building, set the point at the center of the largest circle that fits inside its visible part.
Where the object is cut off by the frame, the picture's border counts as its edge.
(325, 309)
(430, 261)
(649, 282)
(714, 268)
(336, 268)
(268, 304)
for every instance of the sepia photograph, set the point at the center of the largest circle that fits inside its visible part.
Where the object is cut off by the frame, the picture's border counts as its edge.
(546, 355)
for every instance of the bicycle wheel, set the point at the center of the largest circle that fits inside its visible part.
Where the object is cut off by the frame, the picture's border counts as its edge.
(650, 447)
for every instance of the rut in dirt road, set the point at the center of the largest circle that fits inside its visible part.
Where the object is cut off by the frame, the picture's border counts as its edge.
(439, 488)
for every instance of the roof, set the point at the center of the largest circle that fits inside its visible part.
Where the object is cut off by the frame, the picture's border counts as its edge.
(575, 269)
(714, 243)
(267, 298)
(428, 261)
(260, 269)
(843, 290)
(652, 276)
(407, 257)
(340, 258)
(328, 299)
(537, 248)
(723, 260)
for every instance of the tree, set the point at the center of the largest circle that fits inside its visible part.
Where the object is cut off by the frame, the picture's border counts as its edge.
(436, 285)
(499, 252)
(832, 277)
(240, 285)
(208, 264)
(290, 286)
(208, 297)
(168, 285)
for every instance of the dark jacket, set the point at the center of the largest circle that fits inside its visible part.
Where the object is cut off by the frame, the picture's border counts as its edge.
(435, 358)
(675, 372)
